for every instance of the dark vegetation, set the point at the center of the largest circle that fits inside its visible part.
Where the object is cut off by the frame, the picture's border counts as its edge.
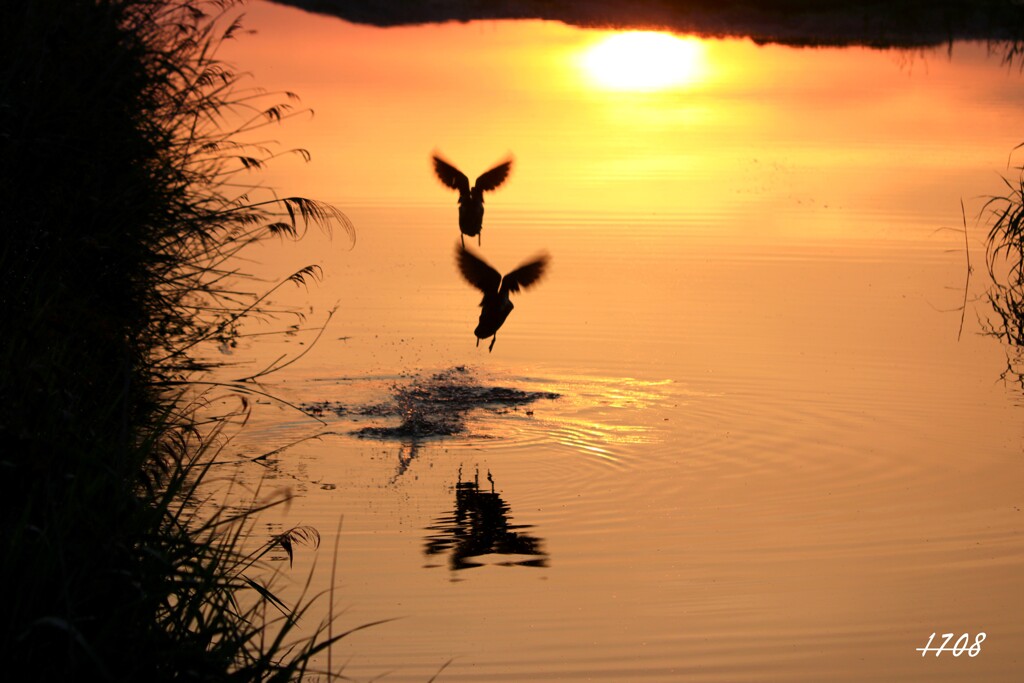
(1005, 262)
(877, 23)
(121, 208)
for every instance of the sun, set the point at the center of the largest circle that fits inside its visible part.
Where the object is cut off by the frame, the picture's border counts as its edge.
(644, 60)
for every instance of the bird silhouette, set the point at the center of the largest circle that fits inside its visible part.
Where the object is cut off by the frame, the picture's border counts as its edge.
(496, 305)
(471, 199)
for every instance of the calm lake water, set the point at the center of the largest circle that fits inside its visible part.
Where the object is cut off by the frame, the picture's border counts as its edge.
(747, 439)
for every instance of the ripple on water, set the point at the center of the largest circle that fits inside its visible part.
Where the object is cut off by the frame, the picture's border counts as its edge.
(695, 432)
(562, 424)
(602, 422)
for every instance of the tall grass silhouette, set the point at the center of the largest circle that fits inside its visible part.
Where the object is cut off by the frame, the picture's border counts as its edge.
(1004, 257)
(125, 200)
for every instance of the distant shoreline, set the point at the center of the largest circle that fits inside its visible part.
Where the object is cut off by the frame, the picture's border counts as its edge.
(873, 23)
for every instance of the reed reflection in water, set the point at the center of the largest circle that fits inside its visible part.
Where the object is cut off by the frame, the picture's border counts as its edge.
(770, 458)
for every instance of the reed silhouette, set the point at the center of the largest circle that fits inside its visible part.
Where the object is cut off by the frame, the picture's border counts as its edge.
(1004, 255)
(125, 204)
(496, 304)
(471, 199)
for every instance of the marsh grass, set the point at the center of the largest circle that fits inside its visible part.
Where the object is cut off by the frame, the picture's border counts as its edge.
(1005, 262)
(1005, 254)
(126, 152)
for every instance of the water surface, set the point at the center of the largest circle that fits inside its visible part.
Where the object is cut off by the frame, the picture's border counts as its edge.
(758, 445)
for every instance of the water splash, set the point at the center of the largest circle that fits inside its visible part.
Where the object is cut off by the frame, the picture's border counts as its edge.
(435, 406)
(430, 407)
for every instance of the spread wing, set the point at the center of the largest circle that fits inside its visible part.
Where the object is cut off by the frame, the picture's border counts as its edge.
(492, 179)
(526, 275)
(450, 176)
(476, 271)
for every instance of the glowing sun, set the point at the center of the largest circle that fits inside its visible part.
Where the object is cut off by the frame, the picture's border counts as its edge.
(644, 60)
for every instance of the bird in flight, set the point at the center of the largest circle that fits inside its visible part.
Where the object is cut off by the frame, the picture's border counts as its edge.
(471, 199)
(496, 305)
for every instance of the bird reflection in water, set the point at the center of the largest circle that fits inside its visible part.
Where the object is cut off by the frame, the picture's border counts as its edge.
(471, 199)
(480, 525)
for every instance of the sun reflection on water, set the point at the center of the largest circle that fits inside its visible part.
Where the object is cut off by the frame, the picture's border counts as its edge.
(605, 418)
(644, 60)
